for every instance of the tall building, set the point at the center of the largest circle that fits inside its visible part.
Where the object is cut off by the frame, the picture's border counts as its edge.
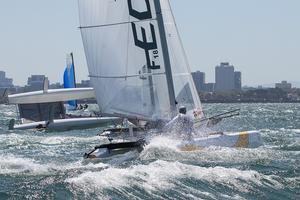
(224, 74)
(199, 80)
(85, 83)
(2, 75)
(209, 87)
(56, 85)
(283, 85)
(237, 80)
(226, 78)
(4, 81)
(35, 82)
(6, 85)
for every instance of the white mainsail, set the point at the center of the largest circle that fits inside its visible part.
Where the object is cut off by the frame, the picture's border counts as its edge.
(135, 58)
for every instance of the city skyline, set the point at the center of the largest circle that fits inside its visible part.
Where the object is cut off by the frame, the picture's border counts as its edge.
(199, 78)
(259, 38)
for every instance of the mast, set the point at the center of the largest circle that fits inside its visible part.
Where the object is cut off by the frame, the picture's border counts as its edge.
(166, 56)
(72, 59)
(74, 76)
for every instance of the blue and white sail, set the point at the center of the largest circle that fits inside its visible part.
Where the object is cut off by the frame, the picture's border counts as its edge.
(69, 79)
(135, 58)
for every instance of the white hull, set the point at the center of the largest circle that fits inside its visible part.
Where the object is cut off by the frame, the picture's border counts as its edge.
(55, 95)
(250, 139)
(69, 124)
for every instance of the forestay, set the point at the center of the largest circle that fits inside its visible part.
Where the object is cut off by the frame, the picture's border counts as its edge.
(133, 75)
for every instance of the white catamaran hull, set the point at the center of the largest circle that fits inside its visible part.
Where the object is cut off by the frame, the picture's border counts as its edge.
(250, 139)
(68, 124)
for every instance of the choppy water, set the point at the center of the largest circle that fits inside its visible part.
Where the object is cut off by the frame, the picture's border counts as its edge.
(41, 165)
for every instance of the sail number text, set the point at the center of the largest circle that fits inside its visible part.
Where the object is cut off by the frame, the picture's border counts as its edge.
(144, 44)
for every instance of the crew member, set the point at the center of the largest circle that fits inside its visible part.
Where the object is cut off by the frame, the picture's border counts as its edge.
(181, 124)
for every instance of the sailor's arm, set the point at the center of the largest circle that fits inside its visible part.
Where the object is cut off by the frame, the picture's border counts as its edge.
(170, 124)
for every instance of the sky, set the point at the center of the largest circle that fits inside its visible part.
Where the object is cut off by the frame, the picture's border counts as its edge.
(261, 38)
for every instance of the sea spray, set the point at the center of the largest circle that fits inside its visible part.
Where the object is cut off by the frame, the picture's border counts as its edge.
(47, 165)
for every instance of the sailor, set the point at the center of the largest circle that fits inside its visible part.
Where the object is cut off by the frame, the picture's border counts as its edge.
(182, 124)
(85, 106)
(129, 125)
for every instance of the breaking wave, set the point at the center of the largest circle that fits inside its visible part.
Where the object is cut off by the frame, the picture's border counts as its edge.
(160, 176)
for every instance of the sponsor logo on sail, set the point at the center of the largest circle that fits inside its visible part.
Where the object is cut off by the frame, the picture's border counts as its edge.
(149, 47)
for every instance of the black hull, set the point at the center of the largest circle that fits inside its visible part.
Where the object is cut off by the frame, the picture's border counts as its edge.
(116, 147)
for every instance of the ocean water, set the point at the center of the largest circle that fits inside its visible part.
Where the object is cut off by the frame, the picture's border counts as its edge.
(50, 165)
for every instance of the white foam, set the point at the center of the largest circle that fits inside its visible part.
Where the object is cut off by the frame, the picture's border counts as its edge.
(55, 140)
(160, 146)
(16, 139)
(12, 139)
(14, 165)
(296, 130)
(289, 111)
(163, 142)
(17, 165)
(151, 177)
(80, 165)
(293, 182)
(167, 149)
(162, 175)
(10, 113)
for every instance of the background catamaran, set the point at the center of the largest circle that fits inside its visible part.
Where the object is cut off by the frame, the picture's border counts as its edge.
(45, 109)
(138, 66)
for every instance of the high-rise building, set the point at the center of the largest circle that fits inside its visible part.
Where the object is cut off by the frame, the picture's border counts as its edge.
(283, 85)
(2, 75)
(85, 83)
(209, 87)
(56, 85)
(199, 80)
(35, 82)
(226, 78)
(224, 74)
(6, 86)
(5, 82)
(35, 79)
(237, 80)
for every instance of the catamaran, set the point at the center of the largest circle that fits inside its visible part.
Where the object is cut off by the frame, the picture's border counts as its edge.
(139, 69)
(45, 109)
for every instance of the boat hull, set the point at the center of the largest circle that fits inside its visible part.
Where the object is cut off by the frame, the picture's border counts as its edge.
(68, 124)
(107, 150)
(249, 139)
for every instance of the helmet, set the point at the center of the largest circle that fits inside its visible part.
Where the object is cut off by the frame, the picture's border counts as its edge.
(182, 110)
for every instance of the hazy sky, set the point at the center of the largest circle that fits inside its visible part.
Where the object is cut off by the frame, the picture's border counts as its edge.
(261, 38)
